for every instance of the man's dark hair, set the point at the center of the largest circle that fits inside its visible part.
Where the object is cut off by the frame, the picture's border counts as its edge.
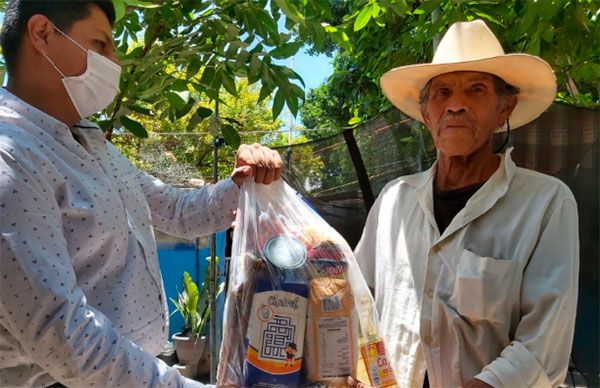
(61, 12)
(501, 87)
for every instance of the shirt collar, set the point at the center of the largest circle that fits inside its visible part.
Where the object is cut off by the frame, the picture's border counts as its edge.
(10, 104)
(504, 173)
(493, 189)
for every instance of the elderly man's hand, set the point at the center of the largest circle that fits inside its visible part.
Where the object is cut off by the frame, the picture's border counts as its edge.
(353, 383)
(476, 383)
(258, 161)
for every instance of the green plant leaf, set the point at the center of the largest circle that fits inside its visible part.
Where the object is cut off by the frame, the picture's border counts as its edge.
(193, 67)
(289, 10)
(231, 136)
(178, 99)
(363, 18)
(286, 50)
(119, 9)
(278, 102)
(134, 127)
(229, 83)
(138, 109)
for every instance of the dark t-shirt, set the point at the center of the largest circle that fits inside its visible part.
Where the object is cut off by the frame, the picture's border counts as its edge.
(447, 203)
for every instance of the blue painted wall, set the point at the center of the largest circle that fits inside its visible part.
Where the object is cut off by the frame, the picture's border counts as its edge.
(174, 259)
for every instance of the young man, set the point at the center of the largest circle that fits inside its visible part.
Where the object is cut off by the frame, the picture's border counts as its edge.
(82, 300)
(474, 263)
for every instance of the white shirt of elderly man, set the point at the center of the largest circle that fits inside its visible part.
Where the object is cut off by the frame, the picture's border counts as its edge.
(474, 263)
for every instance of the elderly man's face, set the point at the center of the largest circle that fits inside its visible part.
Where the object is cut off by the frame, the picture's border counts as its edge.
(463, 111)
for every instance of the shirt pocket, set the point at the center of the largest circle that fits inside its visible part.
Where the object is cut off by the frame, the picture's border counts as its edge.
(483, 287)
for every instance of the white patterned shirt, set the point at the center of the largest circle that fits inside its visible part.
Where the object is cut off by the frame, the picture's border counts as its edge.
(82, 300)
(494, 297)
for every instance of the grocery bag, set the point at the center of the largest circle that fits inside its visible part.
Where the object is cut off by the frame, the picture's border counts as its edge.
(298, 311)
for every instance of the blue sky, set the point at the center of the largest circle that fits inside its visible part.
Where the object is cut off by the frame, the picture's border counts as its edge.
(313, 69)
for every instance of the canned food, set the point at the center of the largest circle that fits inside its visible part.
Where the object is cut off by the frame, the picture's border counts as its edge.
(285, 252)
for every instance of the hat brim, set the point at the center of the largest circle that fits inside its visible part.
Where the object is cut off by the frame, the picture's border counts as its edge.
(532, 75)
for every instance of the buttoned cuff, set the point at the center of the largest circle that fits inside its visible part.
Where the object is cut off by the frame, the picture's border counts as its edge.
(229, 192)
(516, 367)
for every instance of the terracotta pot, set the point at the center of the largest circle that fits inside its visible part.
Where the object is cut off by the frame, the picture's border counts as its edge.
(189, 350)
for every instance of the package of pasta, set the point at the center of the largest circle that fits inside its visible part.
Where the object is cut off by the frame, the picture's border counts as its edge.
(298, 312)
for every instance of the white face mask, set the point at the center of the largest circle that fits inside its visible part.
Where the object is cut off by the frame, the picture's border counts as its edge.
(97, 87)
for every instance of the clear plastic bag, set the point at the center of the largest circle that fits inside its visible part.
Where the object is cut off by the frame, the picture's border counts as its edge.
(298, 311)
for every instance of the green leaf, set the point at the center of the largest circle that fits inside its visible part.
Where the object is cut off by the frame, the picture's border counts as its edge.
(177, 99)
(179, 85)
(229, 83)
(265, 91)
(199, 115)
(286, 50)
(289, 10)
(254, 70)
(268, 22)
(208, 76)
(292, 103)
(203, 112)
(231, 136)
(134, 127)
(180, 113)
(119, 9)
(363, 18)
(105, 125)
(489, 17)
(278, 102)
(140, 110)
(142, 4)
(193, 67)
(355, 120)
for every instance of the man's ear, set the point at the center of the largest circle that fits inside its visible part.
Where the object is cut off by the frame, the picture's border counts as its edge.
(424, 113)
(39, 30)
(508, 105)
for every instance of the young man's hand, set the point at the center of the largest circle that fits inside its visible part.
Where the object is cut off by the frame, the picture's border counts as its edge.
(258, 161)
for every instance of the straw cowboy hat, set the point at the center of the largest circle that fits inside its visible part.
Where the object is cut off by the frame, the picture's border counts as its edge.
(471, 46)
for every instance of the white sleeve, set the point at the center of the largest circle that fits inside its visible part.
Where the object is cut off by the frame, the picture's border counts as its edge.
(539, 355)
(190, 213)
(41, 305)
(365, 251)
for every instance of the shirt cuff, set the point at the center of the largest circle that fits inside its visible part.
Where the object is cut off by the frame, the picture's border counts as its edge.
(516, 367)
(225, 200)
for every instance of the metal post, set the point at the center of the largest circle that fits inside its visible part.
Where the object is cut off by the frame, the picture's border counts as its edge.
(213, 268)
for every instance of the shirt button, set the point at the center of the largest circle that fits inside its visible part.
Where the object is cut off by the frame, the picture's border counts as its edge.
(436, 248)
(427, 340)
(429, 293)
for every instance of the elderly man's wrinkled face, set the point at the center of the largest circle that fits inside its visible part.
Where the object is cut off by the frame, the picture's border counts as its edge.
(462, 112)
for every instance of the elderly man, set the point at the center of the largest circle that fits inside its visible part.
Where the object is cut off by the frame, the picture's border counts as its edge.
(474, 263)
(82, 300)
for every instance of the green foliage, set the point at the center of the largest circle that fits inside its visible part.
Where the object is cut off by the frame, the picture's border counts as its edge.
(170, 49)
(185, 151)
(385, 34)
(193, 304)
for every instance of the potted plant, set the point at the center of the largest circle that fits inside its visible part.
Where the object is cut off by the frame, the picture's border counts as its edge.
(194, 306)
